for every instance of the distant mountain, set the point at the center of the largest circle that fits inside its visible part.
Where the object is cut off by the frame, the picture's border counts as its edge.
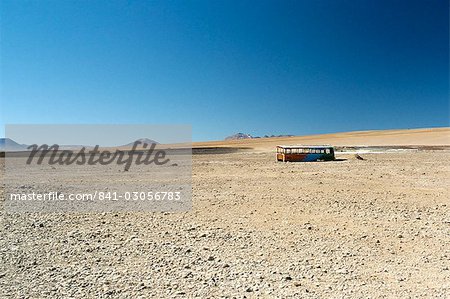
(142, 140)
(7, 144)
(239, 136)
(276, 136)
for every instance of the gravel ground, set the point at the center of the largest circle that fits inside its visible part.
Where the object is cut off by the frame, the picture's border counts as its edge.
(378, 228)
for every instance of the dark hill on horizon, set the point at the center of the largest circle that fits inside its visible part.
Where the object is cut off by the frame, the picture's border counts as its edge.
(142, 140)
(240, 136)
(7, 144)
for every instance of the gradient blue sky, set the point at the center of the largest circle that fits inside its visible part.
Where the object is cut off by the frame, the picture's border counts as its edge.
(259, 67)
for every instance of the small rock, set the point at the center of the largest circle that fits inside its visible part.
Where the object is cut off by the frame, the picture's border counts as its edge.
(359, 157)
(342, 271)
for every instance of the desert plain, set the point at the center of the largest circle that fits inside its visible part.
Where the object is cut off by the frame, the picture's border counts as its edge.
(372, 228)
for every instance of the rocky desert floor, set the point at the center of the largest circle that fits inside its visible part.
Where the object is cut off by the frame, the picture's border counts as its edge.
(378, 228)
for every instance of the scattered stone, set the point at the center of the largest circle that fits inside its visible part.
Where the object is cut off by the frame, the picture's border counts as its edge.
(359, 157)
(342, 271)
(189, 254)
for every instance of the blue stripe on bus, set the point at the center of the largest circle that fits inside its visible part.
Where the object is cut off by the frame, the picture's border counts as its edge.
(312, 157)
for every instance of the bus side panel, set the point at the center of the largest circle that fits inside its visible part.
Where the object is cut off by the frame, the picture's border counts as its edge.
(305, 157)
(313, 157)
(295, 157)
(328, 157)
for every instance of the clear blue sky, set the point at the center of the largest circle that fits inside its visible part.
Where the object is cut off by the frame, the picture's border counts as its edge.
(259, 67)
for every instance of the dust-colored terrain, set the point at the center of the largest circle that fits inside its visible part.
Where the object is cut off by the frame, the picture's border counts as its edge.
(377, 228)
(419, 137)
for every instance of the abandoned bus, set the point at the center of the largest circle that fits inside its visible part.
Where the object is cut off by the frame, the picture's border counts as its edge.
(304, 153)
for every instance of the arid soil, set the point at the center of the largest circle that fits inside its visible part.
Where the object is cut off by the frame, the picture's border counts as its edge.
(412, 137)
(378, 228)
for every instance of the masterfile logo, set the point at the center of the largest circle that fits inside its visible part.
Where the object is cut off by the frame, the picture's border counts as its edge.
(64, 168)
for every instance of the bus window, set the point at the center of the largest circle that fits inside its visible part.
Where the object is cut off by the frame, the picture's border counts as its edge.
(327, 150)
